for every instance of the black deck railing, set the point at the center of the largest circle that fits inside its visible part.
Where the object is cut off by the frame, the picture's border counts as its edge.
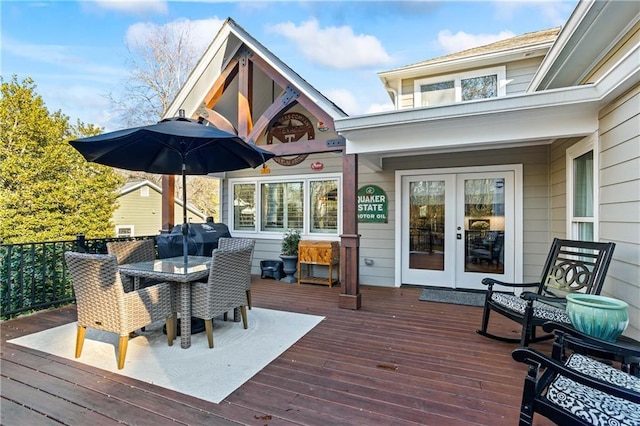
(33, 276)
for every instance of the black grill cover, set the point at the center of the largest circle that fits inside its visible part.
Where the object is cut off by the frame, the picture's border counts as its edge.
(202, 239)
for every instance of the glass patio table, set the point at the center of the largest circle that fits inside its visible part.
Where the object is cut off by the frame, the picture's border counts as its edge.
(174, 270)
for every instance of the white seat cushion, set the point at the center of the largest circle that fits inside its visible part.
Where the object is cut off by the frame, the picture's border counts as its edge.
(540, 310)
(592, 405)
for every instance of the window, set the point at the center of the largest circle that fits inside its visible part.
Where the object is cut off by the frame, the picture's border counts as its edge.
(282, 206)
(144, 191)
(124, 231)
(307, 203)
(480, 84)
(582, 184)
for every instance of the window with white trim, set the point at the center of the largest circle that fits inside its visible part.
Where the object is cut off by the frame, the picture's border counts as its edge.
(582, 190)
(478, 84)
(310, 204)
(123, 231)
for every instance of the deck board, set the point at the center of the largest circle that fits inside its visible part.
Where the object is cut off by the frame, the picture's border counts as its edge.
(396, 361)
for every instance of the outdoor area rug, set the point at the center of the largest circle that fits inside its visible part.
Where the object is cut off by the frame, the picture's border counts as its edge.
(456, 297)
(209, 374)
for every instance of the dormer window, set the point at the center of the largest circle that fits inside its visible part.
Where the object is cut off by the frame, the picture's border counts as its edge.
(479, 84)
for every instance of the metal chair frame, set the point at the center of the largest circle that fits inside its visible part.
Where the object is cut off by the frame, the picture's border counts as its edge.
(571, 266)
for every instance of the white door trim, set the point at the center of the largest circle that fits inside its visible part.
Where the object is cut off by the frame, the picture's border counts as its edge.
(518, 210)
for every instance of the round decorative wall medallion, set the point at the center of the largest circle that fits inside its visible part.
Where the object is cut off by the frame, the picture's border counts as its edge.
(291, 128)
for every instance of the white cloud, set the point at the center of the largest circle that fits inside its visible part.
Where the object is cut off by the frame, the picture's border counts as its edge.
(65, 57)
(373, 108)
(459, 41)
(334, 47)
(555, 13)
(134, 7)
(201, 32)
(344, 99)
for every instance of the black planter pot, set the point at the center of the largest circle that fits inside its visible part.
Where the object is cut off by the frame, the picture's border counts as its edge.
(290, 266)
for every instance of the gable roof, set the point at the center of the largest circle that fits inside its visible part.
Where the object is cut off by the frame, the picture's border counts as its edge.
(230, 39)
(526, 45)
(527, 40)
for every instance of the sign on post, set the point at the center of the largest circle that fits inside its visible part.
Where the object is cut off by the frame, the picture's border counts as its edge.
(372, 204)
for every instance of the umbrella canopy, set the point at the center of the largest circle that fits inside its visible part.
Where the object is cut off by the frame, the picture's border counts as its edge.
(171, 147)
(174, 146)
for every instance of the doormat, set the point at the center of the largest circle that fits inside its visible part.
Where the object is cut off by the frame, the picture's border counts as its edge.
(456, 297)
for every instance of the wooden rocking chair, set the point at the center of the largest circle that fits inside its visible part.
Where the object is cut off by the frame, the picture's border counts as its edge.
(571, 266)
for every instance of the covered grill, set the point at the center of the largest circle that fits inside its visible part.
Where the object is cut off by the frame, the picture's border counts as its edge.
(202, 239)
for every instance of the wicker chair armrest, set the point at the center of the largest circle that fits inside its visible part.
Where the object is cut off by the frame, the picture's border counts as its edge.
(537, 360)
(154, 300)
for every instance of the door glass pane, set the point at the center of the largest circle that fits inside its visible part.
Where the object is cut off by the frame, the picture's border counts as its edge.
(426, 225)
(484, 225)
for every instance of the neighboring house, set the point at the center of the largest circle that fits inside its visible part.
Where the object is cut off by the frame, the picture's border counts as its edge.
(489, 155)
(139, 210)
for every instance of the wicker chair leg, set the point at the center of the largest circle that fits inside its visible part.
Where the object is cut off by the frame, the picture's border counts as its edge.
(249, 298)
(122, 350)
(80, 340)
(243, 312)
(208, 327)
(171, 329)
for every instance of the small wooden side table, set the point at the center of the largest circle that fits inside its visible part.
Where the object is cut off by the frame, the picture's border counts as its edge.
(318, 253)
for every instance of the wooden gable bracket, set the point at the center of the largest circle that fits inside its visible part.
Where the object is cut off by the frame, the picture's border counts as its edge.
(280, 106)
(223, 81)
(245, 93)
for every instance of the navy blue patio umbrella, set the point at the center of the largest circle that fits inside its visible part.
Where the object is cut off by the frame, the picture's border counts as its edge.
(173, 146)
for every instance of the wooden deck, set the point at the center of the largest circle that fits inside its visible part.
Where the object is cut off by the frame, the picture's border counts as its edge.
(396, 361)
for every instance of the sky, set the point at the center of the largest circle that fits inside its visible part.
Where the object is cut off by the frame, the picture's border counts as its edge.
(75, 51)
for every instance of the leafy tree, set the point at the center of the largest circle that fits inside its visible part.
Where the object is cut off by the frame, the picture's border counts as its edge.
(159, 64)
(48, 191)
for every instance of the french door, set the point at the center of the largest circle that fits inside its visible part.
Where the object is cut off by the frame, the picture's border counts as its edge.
(457, 228)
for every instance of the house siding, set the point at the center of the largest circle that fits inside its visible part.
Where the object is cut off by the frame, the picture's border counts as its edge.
(520, 74)
(619, 137)
(145, 213)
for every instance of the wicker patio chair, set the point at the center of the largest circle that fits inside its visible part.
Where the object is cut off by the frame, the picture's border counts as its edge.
(133, 252)
(571, 266)
(239, 243)
(225, 288)
(577, 388)
(103, 304)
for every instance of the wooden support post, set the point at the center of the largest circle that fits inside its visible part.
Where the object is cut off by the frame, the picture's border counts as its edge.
(168, 203)
(350, 297)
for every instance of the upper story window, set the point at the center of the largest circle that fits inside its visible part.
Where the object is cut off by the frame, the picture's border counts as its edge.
(144, 191)
(307, 203)
(478, 84)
